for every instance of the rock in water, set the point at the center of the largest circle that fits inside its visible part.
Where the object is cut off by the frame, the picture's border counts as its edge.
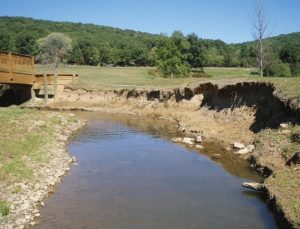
(238, 145)
(253, 185)
(243, 151)
(295, 159)
(189, 141)
(178, 139)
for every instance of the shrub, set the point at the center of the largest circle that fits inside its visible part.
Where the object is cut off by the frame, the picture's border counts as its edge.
(295, 69)
(278, 70)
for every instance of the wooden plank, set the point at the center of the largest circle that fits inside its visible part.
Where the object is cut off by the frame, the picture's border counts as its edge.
(20, 78)
(5, 77)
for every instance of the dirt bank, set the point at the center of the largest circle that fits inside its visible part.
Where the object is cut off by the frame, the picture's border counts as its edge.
(227, 113)
(239, 112)
(37, 159)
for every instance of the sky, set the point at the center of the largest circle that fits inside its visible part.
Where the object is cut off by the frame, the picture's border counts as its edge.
(228, 20)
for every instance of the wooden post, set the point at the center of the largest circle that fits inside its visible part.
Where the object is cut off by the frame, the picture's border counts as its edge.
(55, 84)
(46, 88)
(32, 68)
(73, 75)
(10, 65)
(33, 97)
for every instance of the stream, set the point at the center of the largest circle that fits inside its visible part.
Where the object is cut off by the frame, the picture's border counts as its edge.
(130, 175)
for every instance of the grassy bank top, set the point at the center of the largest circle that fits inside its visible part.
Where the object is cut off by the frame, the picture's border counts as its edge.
(94, 77)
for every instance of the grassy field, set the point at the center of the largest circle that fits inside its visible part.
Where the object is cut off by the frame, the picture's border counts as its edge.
(16, 148)
(24, 134)
(132, 77)
(115, 77)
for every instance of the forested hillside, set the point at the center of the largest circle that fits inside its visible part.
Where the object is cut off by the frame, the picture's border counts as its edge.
(282, 53)
(103, 45)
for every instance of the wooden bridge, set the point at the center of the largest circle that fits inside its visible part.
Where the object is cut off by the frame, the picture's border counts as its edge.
(17, 70)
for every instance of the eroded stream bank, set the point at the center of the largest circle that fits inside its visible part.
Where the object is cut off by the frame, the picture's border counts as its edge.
(131, 175)
(249, 113)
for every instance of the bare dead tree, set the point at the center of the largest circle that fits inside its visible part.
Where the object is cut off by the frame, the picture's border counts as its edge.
(260, 25)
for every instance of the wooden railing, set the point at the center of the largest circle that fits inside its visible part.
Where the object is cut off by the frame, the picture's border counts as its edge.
(16, 69)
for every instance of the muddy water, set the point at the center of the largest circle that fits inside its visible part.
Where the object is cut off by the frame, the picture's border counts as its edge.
(129, 175)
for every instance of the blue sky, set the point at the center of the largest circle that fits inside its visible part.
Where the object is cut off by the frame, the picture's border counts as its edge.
(228, 20)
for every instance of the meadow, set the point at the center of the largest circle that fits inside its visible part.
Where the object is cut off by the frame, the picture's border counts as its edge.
(95, 77)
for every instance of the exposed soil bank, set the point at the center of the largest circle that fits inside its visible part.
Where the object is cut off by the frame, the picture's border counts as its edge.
(227, 113)
(44, 167)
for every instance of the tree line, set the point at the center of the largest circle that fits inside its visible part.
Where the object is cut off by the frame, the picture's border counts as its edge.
(174, 55)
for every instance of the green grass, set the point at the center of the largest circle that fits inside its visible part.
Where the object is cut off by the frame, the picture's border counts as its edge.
(18, 150)
(285, 181)
(119, 77)
(229, 73)
(24, 137)
(94, 77)
(14, 145)
(4, 208)
(286, 184)
(285, 144)
(16, 190)
(289, 85)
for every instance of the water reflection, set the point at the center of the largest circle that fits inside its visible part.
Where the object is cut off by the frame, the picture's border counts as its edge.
(129, 177)
(127, 124)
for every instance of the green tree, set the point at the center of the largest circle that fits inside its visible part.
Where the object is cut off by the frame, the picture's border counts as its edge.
(290, 54)
(169, 60)
(76, 56)
(230, 57)
(181, 42)
(90, 53)
(54, 49)
(212, 57)
(195, 56)
(5, 42)
(26, 44)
